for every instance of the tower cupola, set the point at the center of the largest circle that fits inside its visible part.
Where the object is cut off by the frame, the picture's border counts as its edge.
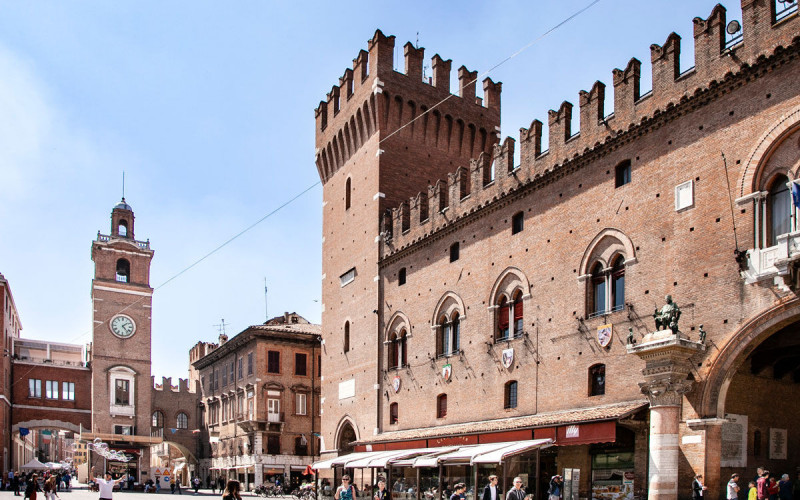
(122, 220)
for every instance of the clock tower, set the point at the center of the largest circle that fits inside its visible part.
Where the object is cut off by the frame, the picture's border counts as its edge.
(121, 347)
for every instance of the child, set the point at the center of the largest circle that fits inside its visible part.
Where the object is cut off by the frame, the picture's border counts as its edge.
(751, 492)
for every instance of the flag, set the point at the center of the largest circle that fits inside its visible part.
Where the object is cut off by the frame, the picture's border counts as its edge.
(24, 431)
(796, 194)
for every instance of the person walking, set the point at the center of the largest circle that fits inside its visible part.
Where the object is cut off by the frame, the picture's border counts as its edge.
(15, 484)
(51, 488)
(178, 485)
(172, 485)
(106, 485)
(344, 492)
(556, 488)
(490, 491)
(32, 487)
(517, 492)
(733, 487)
(231, 491)
(697, 487)
(196, 484)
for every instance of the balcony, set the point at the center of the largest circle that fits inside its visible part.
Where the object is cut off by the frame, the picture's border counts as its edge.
(104, 238)
(124, 410)
(275, 418)
(772, 262)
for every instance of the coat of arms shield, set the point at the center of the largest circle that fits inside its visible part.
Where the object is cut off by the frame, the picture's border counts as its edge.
(396, 384)
(508, 357)
(447, 372)
(604, 334)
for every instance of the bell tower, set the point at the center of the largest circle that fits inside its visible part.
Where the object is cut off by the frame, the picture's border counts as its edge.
(121, 341)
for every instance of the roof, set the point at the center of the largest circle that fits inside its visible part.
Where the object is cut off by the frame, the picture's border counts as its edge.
(563, 417)
(291, 328)
(123, 205)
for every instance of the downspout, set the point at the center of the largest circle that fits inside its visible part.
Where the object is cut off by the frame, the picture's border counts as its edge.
(313, 386)
(379, 343)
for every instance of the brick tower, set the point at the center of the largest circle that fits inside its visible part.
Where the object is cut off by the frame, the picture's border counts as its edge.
(121, 353)
(382, 137)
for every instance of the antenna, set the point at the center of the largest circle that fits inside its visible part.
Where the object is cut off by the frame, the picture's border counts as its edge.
(123, 184)
(417, 44)
(221, 327)
(266, 304)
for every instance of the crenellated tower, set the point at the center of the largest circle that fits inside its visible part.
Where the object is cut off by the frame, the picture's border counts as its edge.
(382, 136)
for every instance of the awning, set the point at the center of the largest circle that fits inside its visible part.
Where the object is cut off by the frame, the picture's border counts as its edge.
(432, 457)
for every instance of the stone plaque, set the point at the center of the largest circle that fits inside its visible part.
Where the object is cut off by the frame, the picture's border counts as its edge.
(734, 441)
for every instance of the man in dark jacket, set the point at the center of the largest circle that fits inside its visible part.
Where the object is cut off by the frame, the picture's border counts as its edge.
(491, 491)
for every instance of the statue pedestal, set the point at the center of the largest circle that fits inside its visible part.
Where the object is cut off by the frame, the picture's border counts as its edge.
(667, 367)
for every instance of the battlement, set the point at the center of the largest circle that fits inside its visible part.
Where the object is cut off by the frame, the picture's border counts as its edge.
(166, 385)
(372, 97)
(493, 176)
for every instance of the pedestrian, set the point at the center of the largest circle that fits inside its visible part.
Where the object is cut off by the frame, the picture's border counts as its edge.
(208, 482)
(516, 493)
(31, 487)
(752, 491)
(231, 491)
(131, 480)
(733, 487)
(178, 485)
(344, 492)
(697, 487)
(785, 487)
(459, 491)
(15, 484)
(51, 488)
(490, 491)
(556, 488)
(172, 485)
(381, 493)
(196, 484)
(158, 484)
(106, 485)
(774, 489)
(762, 484)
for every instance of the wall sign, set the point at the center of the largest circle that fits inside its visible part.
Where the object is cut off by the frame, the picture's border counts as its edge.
(777, 444)
(734, 441)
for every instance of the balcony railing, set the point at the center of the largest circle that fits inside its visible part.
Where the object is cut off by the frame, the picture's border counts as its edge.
(104, 238)
(275, 418)
(770, 262)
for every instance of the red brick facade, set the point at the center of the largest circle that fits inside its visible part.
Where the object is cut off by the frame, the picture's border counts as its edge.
(584, 226)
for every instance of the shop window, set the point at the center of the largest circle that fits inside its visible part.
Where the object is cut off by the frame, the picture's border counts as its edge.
(300, 362)
(517, 222)
(158, 420)
(441, 406)
(510, 398)
(346, 340)
(123, 271)
(454, 252)
(622, 173)
(401, 276)
(597, 380)
(182, 421)
(273, 362)
(393, 412)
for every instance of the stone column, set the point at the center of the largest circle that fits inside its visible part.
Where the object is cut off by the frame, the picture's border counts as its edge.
(259, 473)
(667, 366)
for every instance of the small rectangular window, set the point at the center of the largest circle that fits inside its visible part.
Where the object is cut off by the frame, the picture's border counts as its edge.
(273, 362)
(300, 364)
(347, 277)
(441, 406)
(454, 252)
(241, 368)
(122, 395)
(249, 363)
(125, 430)
(51, 389)
(684, 195)
(301, 404)
(401, 277)
(393, 413)
(517, 222)
(622, 173)
(34, 388)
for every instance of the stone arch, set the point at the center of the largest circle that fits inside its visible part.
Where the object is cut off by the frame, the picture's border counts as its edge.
(785, 126)
(447, 305)
(604, 247)
(396, 323)
(345, 426)
(47, 423)
(509, 281)
(733, 354)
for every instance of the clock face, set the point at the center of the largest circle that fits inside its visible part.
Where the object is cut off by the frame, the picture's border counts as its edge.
(122, 326)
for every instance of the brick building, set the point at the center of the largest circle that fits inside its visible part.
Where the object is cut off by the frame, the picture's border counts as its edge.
(260, 401)
(468, 299)
(175, 419)
(10, 327)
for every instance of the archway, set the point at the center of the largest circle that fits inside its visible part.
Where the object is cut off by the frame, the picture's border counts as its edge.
(345, 440)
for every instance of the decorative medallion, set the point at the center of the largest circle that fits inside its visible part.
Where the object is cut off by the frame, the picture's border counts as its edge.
(508, 357)
(447, 371)
(396, 384)
(604, 334)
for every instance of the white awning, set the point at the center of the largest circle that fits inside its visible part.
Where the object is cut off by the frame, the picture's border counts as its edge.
(342, 460)
(382, 459)
(500, 454)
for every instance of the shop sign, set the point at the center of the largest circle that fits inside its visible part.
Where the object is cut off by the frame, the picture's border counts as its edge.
(508, 357)
(573, 431)
(604, 333)
(447, 372)
(396, 384)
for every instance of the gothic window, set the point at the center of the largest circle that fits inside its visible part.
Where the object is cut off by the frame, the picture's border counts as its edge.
(123, 271)
(449, 335)
(597, 380)
(598, 290)
(779, 209)
(158, 419)
(441, 406)
(510, 396)
(183, 421)
(603, 269)
(503, 315)
(617, 279)
(397, 350)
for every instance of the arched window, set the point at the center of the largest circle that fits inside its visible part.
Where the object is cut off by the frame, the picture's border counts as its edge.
(122, 228)
(158, 419)
(597, 380)
(779, 209)
(123, 271)
(346, 341)
(183, 421)
(441, 406)
(398, 350)
(449, 338)
(393, 413)
(503, 315)
(510, 396)
(518, 317)
(598, 302)
(617, 279)
(347, 189)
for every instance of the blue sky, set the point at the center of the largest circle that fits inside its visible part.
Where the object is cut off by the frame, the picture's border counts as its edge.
(208, 107)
